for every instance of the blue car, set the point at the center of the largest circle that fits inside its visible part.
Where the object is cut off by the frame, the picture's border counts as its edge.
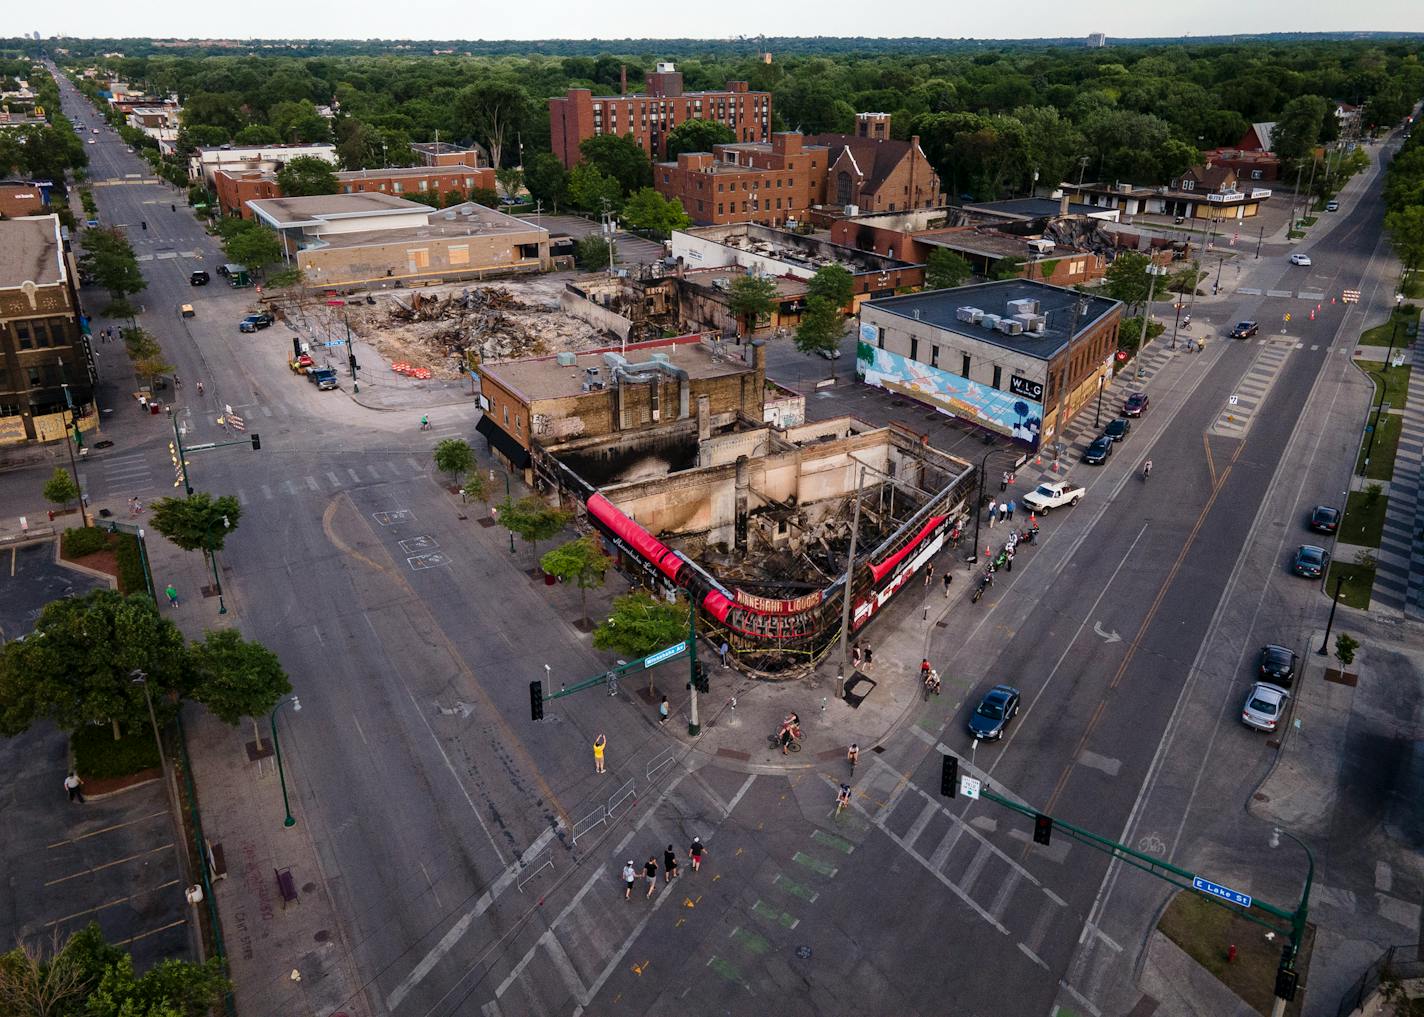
(1097, 453)
(994, 712)
(1310, 561)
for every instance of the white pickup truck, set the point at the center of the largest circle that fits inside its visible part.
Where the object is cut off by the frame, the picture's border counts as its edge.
(1046, 497)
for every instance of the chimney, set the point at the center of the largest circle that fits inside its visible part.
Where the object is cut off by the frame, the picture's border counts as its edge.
(1063, 204)
(623, 79)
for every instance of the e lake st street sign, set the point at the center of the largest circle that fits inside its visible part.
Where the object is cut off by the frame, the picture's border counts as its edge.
(1223, 892)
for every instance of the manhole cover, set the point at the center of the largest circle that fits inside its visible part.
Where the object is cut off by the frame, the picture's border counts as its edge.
(804, 952)
(106, 443)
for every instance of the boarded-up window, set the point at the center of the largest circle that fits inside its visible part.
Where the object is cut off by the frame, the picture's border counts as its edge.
(418, 259)
(460, 254)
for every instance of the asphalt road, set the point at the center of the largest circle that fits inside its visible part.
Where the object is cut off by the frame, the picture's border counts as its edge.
(424, 785)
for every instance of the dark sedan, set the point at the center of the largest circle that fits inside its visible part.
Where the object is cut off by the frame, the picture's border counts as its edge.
(1278, 664)
(1245, 330)
(1135, 404)
(994, 712)
(1324, 519)
(1118, 429)
(1310, 561)
(1097, 453)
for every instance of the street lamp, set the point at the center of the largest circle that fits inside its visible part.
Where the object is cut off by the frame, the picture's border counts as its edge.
(507, 497)
(1334, 603)
(277, 747)
(213, 558)
(1298, 920)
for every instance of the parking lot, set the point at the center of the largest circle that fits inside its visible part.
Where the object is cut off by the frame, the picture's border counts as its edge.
(116, 860)
(631, 250)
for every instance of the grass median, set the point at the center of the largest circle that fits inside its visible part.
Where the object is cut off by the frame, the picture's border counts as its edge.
(1359, 581)
(1380, 334)
(1364, 518)
(1391, 384)
(1381, 452)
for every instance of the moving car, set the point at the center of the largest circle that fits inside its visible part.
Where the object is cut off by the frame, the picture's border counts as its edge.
(1300, 259)
(1265, 704)
(1097, 453)
(1245, 330)
(1135, 404)
(1118, 429)
(831, 353)
(1310, 561)
(198, 278)
(1324, 519)
(91, 141)
(187, 311)
(1332, 206)
(253, 322)
(1278, 664)
(994, 712)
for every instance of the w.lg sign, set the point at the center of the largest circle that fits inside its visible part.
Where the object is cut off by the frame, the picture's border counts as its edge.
(1028, 389)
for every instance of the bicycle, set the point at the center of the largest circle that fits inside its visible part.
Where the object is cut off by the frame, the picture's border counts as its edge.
(853, 756)
(842, 798)
(774, 742)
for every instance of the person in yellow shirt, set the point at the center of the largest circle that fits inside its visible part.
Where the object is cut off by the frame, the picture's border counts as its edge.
(598, 745)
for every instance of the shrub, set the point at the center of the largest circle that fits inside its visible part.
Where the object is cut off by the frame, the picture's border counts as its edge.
(97, 755)
(130, 564)
(77, 541)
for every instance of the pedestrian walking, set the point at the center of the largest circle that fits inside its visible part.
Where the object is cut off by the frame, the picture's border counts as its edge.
(1010, 511)
(663, 711)
(200, 386)
(695, 853)
(172, 595)
(856, 655)
(993, 512)
(72, 784)
(722, 651)
(1009, 560)
(177, 382)
(650, 873)
(629, 875)
(1004, 481)
(599, 744)
(669, 865)
(948, 579)
(869, 658)
(929, 574)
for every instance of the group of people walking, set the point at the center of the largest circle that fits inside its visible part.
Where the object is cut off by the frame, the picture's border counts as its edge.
(649, 869)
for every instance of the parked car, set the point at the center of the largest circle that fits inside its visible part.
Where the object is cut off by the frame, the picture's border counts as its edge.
(253, 322)
(994, 712)
(1324, 519)
(1300, 259)
(1277, 664)
(1050, 495)
(1332, 206)
(1245, 330)
(830, 353)
(1118, 429)
(1135, 405)
(1310, 561)
(1098, 451)
(1265, 704)
(91, 141)
(198, 278)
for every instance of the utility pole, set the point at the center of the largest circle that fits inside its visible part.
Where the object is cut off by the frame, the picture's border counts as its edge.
(70, 440)
(850, 572)
(1260, 238)
(1330, 624)
(694, 726)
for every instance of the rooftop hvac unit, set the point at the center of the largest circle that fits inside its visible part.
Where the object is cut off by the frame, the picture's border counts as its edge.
(1037, 323)
(969, 314)
(1023, 305)
(1026, 320)
(566, 359)
(989, 321)
(1008, 326)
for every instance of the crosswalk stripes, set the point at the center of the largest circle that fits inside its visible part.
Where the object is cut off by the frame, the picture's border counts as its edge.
(1399, 571)
(1234, 419)
(128, 472)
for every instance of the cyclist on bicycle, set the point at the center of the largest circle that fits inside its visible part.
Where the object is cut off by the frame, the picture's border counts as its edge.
(842, 798)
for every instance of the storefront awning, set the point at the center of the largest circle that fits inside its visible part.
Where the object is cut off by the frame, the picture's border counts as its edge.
(505, 443)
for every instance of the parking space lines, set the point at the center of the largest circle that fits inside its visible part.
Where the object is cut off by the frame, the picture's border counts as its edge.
(111, 828)
(112, 903)
(108, 865)
(151, 932)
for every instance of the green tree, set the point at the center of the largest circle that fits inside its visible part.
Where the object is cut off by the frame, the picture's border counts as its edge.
(639, 624)
(592, 190)
(152, 368)
(235, 678)
(257, 134)
(532, 520)
(511, 181)
(491, 111)
(619, 157)
(299, 122)
(821, 328)
(77, 666)
(1127, 280)
(834, 284)
(454, 456)
(592, 253)
(697, 136)
(750, 298)
(60, 488)
(580, 561)
(198, 522)
(476, 489)
(1007, 268)
(1345, 647)
(1297, 129)
(109, 258)
(255, 247)
(646, 209)
(307, 175)
(1406, 233)
(546, 179)
(486, 196)
(944, 269)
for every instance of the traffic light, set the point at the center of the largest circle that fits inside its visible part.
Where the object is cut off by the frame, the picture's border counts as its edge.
(536, 700)
(1286, 979)
(256, 441)
(949, 776)
(1042, 829)
(700, 679)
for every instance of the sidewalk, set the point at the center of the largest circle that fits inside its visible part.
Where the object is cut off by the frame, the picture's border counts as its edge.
(1399, 574)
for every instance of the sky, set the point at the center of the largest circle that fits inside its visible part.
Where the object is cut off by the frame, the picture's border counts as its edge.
(575, 19)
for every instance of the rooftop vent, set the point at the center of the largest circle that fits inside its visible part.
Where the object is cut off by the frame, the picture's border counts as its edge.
(1023, 305)
(989, 321)
(969, 314)
(566, 359)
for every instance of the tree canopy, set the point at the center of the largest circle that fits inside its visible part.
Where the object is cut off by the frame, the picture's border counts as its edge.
(199, 522)
(306, 175)
(639, 624)
(697, 136)
(646, 209)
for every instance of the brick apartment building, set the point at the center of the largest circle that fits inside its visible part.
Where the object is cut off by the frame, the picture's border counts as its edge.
(442, 153)
(774, 183)
(649, 116)
(235, 189)
(752, 182)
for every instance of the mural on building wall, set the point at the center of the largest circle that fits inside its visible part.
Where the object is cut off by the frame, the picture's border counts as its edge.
(1006, 412)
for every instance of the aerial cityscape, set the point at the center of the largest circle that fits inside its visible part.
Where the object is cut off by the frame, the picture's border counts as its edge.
(714, 516)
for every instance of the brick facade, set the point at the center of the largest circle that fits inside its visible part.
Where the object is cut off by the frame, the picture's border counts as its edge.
(21, 198)
(767, 184)
(235, 189)
(649, 116)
